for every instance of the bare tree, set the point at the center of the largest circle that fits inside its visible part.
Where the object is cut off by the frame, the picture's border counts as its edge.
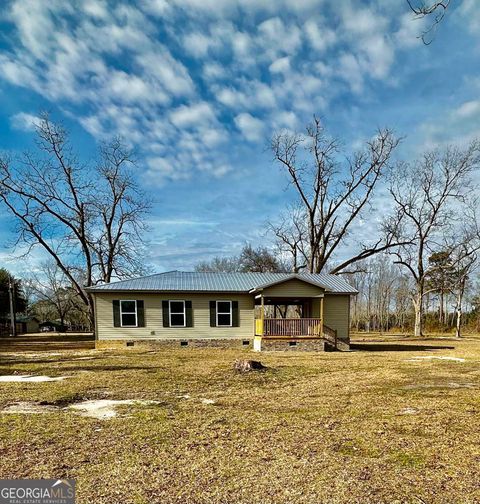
(50, 284)
(439, 278)
(435, 11)
(259, 259)
(218, 265)
(331, 196)
(465, 258)
(380, 305)
(429, 195)
(87, 218)
(464, 267)
(291, 234)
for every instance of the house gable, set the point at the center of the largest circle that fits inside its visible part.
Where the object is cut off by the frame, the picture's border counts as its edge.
(291, 288)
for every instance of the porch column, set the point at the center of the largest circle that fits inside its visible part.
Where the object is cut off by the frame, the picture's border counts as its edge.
(262, 314)
(321, 315)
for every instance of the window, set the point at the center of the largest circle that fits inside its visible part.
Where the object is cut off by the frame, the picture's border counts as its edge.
(128, 313)
(177, 313)
(224, 313)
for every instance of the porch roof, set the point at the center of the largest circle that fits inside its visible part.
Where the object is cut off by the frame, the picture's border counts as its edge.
(182, 281)
(312, 281)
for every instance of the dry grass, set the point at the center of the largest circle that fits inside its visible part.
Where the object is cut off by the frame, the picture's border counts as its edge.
(366, 426)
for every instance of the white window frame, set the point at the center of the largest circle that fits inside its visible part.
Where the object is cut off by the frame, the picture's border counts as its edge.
(170, 301)
(224, 313)
(128, 313)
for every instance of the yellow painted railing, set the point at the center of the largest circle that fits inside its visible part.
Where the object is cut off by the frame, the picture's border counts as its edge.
(289, 327)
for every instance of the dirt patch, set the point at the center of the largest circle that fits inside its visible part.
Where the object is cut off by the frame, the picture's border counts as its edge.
(420, 358)
(204, 400)
(30, 355)
(30, 378)
(103, 409)
(29, 408)
(409, 411)
(451, 385)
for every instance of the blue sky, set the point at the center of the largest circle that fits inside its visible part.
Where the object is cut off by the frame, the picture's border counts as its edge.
(198, 86)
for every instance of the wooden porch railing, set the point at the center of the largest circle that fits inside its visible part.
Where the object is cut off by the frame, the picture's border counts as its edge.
(289, 327)
(330, 335)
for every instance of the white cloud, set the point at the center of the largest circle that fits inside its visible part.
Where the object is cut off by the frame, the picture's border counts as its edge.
(126, 88)
(378, 55)
(362, 20)
(171, 73)
(95, 8)
(159, 8)
(242, 45)
(16, 72)
(24, 121)
(409, 31)
(35, 24)
(251, 127)
(213, 71)
(198, 44)
(458, 125)
(248, 95)
(194, 75)
(351, 71)
(285, 120)
(276, 37)
(470, 14)
(469, 109)
(320, 38)
(281, 65)
(192, 115)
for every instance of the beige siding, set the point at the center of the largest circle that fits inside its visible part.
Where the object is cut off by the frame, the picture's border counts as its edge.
(154, 321)
(336, 313)
(293, 288)
(316, 308)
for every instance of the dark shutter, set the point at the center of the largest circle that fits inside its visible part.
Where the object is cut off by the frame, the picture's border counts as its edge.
(213, 314)
(116, 313)
(189, 313)
(235, 316)
(165, 314)
(140, 313)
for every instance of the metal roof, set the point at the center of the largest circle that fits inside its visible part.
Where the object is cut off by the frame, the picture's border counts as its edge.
(182, 281)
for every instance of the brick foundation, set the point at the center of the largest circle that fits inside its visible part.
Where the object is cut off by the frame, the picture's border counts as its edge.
(177, 343)
(291, 344)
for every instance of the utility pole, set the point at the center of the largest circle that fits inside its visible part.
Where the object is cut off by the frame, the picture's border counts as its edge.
(11, 292)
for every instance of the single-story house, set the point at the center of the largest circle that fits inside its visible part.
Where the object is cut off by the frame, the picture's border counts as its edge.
(27, 324)
(270, 310)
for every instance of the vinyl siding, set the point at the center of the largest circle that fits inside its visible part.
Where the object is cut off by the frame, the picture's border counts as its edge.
(336, 312)
(154, 322)
(293, 288)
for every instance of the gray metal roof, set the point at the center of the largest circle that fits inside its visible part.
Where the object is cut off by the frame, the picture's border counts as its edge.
(182, 281)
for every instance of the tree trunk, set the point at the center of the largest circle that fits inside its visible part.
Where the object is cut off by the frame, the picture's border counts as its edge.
(441, 314)
(458, 308)
(418, 305)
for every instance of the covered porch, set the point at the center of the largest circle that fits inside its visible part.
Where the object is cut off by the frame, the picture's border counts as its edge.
(289, 317)
(290, 313)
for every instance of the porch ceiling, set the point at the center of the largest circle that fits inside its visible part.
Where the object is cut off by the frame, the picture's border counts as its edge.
(273, 300)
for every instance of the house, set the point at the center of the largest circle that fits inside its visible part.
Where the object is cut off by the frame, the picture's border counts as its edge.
(270, 310)
(27, 324)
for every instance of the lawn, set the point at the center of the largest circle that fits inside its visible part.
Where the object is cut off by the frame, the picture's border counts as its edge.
(374, 425)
